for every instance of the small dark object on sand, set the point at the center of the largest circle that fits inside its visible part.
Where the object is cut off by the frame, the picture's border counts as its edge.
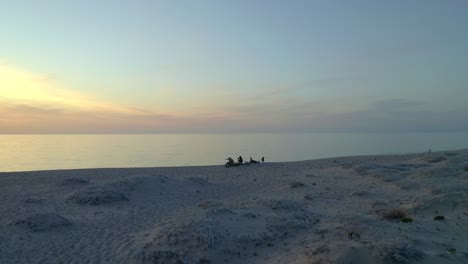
(354, 235)
(406, 220)
(263, 159)
(439, 217)
(394, 213)
(296, 184)
(253, 161)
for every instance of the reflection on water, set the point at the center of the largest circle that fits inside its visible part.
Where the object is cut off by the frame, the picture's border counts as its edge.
(43, 152)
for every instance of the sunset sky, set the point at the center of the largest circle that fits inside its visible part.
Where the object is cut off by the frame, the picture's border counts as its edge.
(174, 66)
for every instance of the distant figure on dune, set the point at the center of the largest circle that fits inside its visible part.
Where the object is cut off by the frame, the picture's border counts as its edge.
(240, 160)
(253, 161)
(263, 159)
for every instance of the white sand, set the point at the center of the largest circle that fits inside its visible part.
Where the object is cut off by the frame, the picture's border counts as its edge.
(322, 211)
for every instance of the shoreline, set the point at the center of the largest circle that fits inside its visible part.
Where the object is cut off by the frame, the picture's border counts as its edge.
(216, 165)
(330, 210)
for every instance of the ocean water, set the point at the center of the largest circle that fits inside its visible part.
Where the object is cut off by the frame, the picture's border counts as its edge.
(47, 152)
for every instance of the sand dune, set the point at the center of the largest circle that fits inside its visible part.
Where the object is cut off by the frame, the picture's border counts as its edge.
(369, 209)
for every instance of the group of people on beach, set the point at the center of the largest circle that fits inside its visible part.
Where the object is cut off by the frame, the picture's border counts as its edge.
(240, 161)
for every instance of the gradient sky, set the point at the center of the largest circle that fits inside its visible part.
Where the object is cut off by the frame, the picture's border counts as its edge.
(137, 66)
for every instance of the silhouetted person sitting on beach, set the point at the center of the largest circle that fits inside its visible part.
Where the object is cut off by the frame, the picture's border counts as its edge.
(230, 162)
(263, 159)
(253, 161)
(240, 160)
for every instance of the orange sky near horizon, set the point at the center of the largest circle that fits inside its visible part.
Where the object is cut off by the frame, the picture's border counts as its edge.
(35, 103)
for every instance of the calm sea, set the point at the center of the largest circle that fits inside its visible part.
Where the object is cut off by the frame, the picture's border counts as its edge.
(45, 152)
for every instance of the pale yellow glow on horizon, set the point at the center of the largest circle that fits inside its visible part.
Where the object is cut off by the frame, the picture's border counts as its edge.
(35, 103)
(19, 86)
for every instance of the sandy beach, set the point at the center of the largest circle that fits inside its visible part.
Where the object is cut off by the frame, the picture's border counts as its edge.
(364, 209)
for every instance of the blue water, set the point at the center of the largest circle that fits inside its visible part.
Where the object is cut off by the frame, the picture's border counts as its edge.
(45, 152)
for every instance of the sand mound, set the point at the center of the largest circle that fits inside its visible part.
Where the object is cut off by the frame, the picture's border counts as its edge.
(97, 197)
(446, 202)
(292, 222)
(441, 172)
(181, 243)
(75, 181)
(319, 253)
(33, 201)
(400, 253)
(219, 211)
(223, 233)
(212, 208)
(431, 158)
(384, 172)
(345, 253)
(109, 193)
(355, 254)
(209, 204)
(283, 205)
(169, 257)
(199, 181)
(43, 222)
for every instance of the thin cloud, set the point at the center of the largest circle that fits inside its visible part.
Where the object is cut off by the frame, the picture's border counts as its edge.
(392, 115)
(294, 90)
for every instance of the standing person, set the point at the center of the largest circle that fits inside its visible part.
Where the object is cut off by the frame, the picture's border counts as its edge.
(240, 160)
(263, 159)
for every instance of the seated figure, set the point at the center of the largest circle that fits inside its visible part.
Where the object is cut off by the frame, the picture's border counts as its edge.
(230, 162)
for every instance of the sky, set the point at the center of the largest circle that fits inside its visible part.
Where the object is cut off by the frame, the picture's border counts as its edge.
(243, 66)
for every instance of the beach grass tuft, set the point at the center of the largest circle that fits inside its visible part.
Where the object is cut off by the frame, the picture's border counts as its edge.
(394, 213)
(406, 220)
(439, 217)
(296, 184)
